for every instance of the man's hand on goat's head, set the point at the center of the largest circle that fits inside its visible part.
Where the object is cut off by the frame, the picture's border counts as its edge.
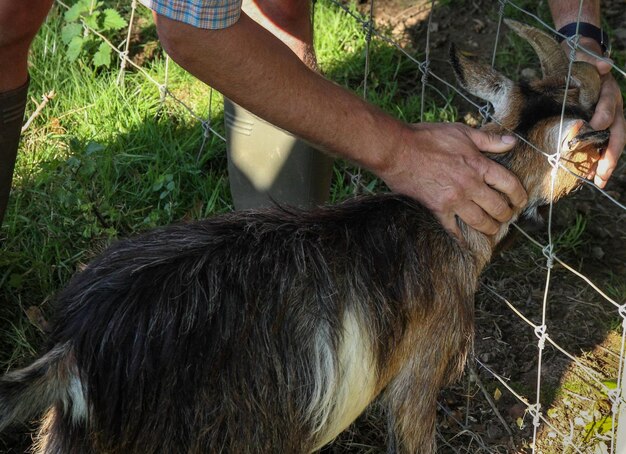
(609, 113)
(441, 166)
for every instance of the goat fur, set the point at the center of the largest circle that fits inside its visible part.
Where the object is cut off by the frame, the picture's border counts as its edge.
(271, 331)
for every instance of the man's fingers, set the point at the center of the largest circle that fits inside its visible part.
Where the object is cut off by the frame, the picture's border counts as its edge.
(498, 177)
(607, 105)
(448, 220)
(605, 166)
(490, 142)
(475, 217)
(609, 159)
(464, 183)
(493, 204)
(603, 66)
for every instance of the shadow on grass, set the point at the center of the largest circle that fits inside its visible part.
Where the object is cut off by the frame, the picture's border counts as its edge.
(93, 184)
(73, 205)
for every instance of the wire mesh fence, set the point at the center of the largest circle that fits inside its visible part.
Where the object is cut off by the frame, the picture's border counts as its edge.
(543, 425)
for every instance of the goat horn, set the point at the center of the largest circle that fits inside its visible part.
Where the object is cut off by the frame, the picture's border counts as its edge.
(553, 59)
(555, 62)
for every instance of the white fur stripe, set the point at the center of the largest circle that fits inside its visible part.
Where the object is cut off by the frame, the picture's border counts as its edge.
(354, 384)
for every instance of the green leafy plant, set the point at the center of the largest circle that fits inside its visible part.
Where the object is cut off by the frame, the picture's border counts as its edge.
(572, 237)
(80, 41)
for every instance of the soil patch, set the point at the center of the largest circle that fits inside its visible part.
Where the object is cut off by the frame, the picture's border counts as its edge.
(590, 236)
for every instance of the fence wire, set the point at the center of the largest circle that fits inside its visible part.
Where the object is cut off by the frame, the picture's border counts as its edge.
(540, 330)
(548, 250)
(163, 87)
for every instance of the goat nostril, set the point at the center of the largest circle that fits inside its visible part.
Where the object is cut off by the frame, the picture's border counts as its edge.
(572, 130)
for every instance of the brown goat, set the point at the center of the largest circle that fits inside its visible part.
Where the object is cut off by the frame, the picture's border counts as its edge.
(271, 331)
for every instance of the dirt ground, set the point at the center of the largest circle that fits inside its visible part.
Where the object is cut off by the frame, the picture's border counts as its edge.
(479, 414)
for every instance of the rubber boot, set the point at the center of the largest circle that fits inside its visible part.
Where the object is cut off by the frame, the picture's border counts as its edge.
(12, 105)
(268, 166)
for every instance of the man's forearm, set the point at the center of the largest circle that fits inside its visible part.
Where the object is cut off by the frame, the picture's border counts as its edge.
(254, 69)
(566, 12)
(439, 165)
(609, 113)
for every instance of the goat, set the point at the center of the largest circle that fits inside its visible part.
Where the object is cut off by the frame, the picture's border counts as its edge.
(271, 331)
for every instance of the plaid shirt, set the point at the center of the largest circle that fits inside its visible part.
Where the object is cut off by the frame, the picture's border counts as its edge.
(211, 14)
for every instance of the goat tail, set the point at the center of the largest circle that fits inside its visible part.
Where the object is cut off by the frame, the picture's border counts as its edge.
(51, 379)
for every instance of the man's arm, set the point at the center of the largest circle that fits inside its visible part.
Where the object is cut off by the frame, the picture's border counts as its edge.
(437, 164)
(610, 108)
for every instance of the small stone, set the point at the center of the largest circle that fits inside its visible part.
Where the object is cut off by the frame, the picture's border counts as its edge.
(471, 120)
(599, 232)
(479, 25)
(601, 448)
(597, 252)
(529, 73)
(578, 421)
(517, 410)
(611, 12)
(494, 431)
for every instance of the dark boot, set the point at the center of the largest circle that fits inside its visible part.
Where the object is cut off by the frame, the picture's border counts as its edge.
(267, 165)
(12, 105)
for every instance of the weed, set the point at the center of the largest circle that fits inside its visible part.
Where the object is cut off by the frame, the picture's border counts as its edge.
(572, 237)
(104, 161)
(80, 41)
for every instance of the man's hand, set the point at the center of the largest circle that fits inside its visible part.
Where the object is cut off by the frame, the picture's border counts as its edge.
(438, 164)
(609, 113)
(610, 108)
(452, 178)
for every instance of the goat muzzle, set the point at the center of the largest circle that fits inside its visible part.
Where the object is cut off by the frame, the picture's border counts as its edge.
(590, 137)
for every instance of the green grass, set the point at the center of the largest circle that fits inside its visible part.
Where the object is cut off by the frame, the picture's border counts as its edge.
(89, 170)
(104, 161)
(571, 238)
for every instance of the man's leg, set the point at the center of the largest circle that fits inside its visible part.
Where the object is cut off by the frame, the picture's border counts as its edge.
(266, 164)
(19, 23)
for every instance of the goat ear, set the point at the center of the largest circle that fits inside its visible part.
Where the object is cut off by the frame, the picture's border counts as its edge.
(554, 62)
(483, 81)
